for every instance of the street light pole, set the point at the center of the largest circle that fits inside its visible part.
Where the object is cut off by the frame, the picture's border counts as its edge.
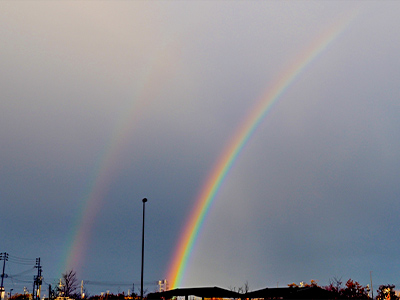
(141, 277)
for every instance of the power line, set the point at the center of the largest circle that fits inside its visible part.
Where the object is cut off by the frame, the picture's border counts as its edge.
(22, 273)
(111, 283)
(21, 278)
(21, 260)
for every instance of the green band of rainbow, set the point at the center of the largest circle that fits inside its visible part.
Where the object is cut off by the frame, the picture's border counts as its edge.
(240, 138)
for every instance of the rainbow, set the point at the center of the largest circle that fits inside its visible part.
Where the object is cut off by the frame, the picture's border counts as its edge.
(103, 173)
(219, 172)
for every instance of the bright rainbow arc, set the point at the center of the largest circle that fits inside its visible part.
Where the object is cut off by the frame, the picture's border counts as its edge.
(209, 191)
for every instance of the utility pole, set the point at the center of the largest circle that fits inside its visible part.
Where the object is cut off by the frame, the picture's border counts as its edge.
(4, 257)
(50, 292)
(82, 293)
(37, 280)
(372, 289)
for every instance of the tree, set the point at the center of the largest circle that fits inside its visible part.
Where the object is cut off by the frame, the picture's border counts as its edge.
(243, 289)
(335, 285)
(354, 290)
(386, 292)
(20, 297)
(304, 284)
(69, 284)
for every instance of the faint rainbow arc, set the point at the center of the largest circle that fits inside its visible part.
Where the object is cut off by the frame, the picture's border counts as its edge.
(80, 232)
(236, 145)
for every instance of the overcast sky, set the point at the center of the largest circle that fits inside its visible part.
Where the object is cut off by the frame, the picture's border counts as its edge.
(104, 103)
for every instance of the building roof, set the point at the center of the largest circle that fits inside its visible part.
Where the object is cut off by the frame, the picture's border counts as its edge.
(203, 292)
(311, 292)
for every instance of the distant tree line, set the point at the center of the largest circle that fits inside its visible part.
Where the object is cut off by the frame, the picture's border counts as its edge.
(69, 285)
(354, 290)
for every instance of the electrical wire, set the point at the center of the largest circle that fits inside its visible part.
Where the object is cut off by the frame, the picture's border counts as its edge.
(20, 260)
(22, 273)
(110, 283)
(20, 279)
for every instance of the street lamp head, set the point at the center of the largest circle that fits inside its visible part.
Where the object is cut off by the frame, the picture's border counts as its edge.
(144, 200)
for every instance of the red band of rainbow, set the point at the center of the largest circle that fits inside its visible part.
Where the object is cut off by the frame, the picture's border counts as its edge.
(208, 193)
